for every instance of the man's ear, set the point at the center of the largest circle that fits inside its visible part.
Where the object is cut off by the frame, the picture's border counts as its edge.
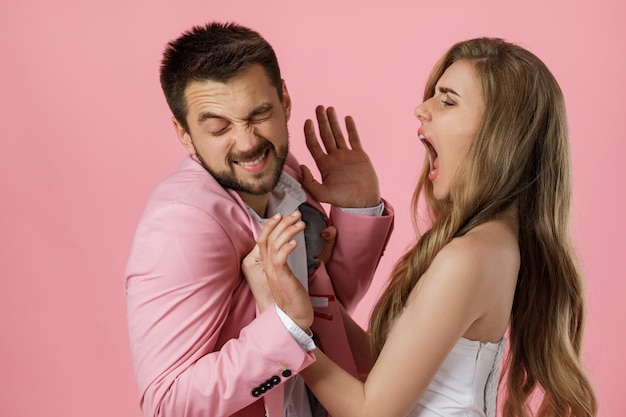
(286, 101)
(183, 136)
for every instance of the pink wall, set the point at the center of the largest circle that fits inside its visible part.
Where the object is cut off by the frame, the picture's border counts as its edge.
(86, 135)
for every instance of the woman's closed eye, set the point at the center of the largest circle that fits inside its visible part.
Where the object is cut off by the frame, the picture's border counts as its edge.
(447, 101)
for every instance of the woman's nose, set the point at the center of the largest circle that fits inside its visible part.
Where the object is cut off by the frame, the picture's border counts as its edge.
(422, 112)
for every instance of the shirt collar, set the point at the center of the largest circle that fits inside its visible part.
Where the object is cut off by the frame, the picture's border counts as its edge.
(285, 198)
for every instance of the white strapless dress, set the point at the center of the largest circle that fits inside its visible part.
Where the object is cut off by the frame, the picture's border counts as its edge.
(466, 384)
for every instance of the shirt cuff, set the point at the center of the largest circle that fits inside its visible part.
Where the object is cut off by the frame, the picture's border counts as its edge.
(304, 340)
(367, 211)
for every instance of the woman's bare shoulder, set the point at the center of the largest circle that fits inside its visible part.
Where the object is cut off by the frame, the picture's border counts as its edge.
(488, 249)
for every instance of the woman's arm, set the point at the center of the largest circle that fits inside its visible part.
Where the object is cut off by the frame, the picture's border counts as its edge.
(444, 304)
(461, 287)
(359, 344)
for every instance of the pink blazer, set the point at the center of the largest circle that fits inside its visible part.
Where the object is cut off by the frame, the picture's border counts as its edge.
(198, 346)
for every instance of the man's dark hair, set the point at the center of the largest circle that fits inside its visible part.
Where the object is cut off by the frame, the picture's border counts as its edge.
(216, 52)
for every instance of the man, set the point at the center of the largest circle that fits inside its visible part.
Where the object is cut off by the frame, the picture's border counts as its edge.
(199, 347)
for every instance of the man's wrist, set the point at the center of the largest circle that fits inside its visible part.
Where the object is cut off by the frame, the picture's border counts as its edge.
(375, 211)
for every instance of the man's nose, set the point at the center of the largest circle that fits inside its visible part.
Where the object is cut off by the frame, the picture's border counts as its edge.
(245, 137)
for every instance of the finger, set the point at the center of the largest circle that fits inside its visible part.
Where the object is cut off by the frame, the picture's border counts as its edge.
(285, 230)
(251, 259)
(281, 240)
(281, 253)
(326, 132)
(353, 134)
(335, 127)
(329, 235)
(273, 234)
(267, 240)
(312, 143)
(311, 184)
(268, 228)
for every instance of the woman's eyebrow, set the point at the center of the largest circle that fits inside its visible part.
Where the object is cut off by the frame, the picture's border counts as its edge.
(446, 90)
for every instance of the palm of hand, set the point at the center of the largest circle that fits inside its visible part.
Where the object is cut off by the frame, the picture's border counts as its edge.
(348, 180)
(348, 177)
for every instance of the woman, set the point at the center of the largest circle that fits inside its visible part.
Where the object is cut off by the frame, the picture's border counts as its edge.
(496, 257)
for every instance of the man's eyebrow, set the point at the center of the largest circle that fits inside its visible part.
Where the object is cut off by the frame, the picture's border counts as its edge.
(207, 115)
(448, 90)
(263, 108)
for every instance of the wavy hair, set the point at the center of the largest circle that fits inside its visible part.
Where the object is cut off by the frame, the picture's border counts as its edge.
(520, 155)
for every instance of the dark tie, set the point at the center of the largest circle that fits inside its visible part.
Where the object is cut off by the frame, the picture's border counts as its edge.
(315, 222)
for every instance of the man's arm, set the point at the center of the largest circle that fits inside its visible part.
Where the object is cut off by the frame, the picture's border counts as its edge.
(361, 242)
(187, 302)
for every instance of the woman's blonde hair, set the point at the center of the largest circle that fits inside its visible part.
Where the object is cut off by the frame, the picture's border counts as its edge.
(520, 155)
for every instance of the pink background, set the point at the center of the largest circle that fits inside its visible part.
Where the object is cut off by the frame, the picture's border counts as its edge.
(86, 136)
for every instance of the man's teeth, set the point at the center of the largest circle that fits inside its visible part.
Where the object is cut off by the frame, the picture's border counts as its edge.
(421, 137)
(252, 163)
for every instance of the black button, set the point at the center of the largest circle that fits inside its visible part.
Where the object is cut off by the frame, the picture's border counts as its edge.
(262, 388)
(256, 392)
(286, 373)
(275, 380)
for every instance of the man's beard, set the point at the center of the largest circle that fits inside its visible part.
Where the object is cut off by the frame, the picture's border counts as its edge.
(228, 178)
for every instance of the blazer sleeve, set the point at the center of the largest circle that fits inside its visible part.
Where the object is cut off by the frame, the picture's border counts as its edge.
(183, 287)
(361, 242)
